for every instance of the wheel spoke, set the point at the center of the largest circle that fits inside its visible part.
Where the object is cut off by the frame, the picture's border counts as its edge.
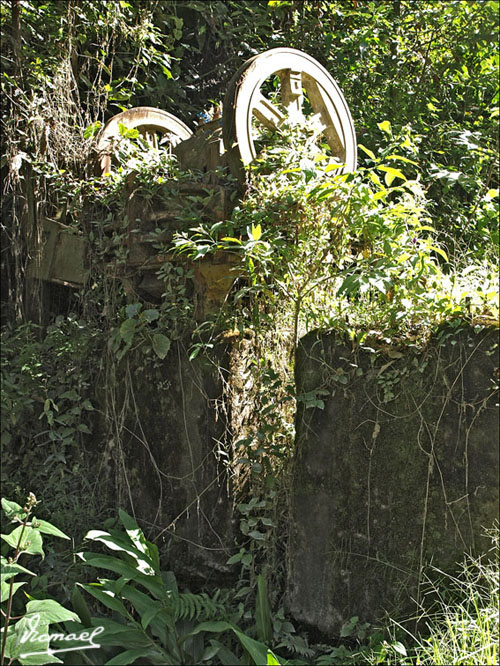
(291, 94)
(268, 114)
(329, 118)
(151, 138)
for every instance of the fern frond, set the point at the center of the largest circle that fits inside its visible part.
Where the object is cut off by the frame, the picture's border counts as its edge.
(190, 606)
(297, 645)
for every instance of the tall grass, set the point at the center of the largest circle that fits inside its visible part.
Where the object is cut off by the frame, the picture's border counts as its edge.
(465, 627)
(461, 625)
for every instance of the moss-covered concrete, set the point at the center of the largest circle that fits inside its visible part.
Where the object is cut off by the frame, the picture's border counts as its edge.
(174, 457)
(397, 471)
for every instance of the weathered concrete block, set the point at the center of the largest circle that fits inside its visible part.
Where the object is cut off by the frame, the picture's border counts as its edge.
(174, 458)
(399, 470)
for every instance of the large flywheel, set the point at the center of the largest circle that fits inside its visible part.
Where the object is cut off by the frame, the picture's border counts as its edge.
(284, 84)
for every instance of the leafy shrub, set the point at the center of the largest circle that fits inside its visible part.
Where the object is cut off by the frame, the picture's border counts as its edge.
(47, 415)
(154, 620)
(26, 640)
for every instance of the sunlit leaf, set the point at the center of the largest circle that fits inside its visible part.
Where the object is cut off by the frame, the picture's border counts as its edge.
(256, 232)
(369, 152)
(385, 126)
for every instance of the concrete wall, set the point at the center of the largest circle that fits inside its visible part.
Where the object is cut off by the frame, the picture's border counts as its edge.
(173, 464)
(398, 470)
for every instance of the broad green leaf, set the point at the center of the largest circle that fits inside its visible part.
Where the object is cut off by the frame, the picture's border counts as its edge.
(399, 648)
(395, 172)
(12, 642)
(272, 659)
(81, 427)
(425, 227)
(257, 650)
(143, 604)
(121, 542)
(50, 611)
(27, 539)
(29, 651)
(255, 534)
(161, 345)
(439, 251)
(80, 607)
(210, 652)
(400, 157)
(149, 614)
(91, 130)
(12, 569)
(232, 240)
(224, 655)
(349, 626)
(107, 598)
(256, 232)
(151, 315)
(128, 635)
(374, 177)
(215, 626)
(5, 589)
(369, 152)
(391, 173)
(125, 131)
(133, 309)
(12, 509)
(333, 167)
(127, 329)
(48, 528)
(154, 584)
(234, 558)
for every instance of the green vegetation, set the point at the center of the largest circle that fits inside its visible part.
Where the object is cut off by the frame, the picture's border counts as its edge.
(390, 253)
(153, 620)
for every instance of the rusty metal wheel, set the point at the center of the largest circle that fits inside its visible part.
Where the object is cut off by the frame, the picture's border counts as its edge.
(154, 124)
(303, 88)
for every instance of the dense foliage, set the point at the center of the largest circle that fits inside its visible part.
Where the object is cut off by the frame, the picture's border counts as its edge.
(385, 255)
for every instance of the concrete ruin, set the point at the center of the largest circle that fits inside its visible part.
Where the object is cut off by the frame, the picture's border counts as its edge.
(397, 472)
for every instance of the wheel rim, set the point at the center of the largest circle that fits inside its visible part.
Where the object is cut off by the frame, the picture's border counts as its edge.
(298, 72)
(148, 121)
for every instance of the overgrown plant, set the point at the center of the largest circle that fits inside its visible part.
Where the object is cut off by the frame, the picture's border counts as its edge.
(47, 413)
(154, 620)
(25, 634)
(357, 246)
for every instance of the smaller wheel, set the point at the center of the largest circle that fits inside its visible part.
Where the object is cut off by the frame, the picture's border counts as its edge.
(155, 125)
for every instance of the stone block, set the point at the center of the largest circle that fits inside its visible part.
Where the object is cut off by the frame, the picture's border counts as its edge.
(398, 471)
